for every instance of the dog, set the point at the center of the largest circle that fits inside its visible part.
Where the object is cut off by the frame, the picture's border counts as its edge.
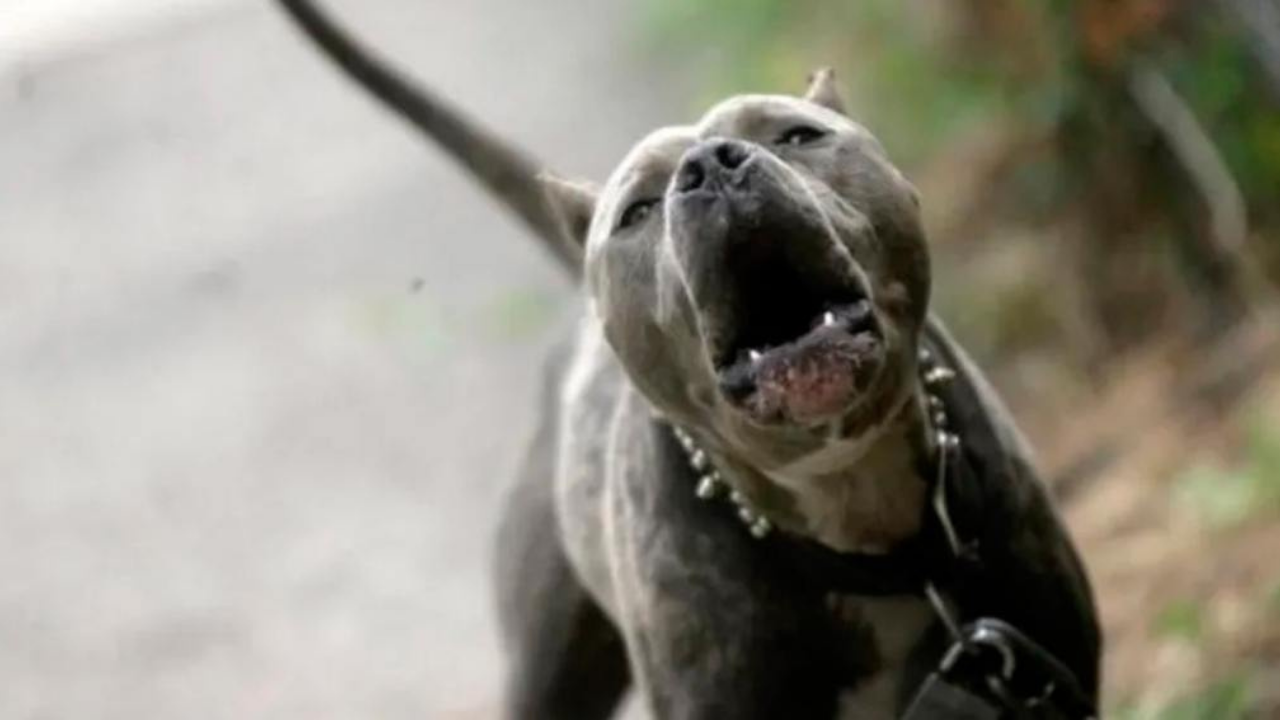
(766, 482)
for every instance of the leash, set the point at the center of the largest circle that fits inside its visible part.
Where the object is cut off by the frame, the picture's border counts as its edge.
(991, 670)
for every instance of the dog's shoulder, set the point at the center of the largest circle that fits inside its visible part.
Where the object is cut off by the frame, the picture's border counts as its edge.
(1032, 575)
(589, 390)
(591, 385)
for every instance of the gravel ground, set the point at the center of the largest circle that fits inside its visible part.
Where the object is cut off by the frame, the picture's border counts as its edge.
(266, 361)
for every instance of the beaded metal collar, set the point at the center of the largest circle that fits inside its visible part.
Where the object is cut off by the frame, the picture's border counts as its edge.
(933, 375)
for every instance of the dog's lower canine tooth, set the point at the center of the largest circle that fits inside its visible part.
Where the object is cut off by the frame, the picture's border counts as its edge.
(829, 318)
(754, 355)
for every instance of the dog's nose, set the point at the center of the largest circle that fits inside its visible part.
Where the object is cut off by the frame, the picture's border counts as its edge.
(710, 158)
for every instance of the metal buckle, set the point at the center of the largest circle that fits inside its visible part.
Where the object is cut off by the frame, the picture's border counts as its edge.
(967, 668)
(941, 698)
(983, 636)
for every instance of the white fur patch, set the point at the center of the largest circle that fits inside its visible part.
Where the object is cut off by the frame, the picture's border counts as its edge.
(833, 501)
(898, 624)
(585, 364)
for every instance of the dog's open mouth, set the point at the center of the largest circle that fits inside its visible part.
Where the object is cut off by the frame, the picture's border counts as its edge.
(800, 349)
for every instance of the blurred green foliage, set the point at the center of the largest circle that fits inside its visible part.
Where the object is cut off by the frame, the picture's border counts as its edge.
(1217, 76)
(1181, 619)
(1225, 496)
(919, 89)
(1273, 598)
(1232, 696)
(1228, 699)
(900, 83)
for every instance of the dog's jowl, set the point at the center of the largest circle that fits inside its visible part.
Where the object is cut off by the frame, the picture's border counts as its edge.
(766, 482)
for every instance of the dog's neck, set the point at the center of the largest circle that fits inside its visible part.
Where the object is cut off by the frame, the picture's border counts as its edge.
(864, 495)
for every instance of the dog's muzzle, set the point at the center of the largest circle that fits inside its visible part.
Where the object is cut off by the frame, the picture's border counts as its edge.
(788, 327)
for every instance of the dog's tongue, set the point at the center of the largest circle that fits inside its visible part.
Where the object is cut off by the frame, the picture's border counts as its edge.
(809, 383)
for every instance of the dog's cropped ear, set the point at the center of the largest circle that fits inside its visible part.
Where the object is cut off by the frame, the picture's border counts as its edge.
(823, 90)
(574, 204)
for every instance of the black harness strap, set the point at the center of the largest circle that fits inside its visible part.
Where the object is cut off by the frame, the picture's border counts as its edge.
(902, 571)
(906, 569)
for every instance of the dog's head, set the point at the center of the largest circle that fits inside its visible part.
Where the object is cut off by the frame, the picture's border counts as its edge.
(762, 275)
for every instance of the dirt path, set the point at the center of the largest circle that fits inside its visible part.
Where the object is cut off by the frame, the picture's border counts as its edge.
(265, 361)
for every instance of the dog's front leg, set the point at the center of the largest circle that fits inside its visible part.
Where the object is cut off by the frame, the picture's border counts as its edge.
(712, 629)
(699, 652)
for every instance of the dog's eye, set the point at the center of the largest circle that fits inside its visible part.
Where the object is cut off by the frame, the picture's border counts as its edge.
(637, 212)
(800, 135)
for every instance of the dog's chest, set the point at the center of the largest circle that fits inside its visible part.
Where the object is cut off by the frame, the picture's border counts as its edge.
(882, 632)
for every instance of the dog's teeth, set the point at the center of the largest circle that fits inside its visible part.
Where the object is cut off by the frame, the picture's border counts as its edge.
(754, 355)
(828, 318)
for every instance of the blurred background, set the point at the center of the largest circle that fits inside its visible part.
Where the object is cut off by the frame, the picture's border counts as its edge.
(267, 360)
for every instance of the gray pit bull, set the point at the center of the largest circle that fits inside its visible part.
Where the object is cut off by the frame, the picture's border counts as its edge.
(766, 483)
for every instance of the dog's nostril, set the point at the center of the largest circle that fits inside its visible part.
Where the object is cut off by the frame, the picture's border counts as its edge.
(731, 154)
(691, 176)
